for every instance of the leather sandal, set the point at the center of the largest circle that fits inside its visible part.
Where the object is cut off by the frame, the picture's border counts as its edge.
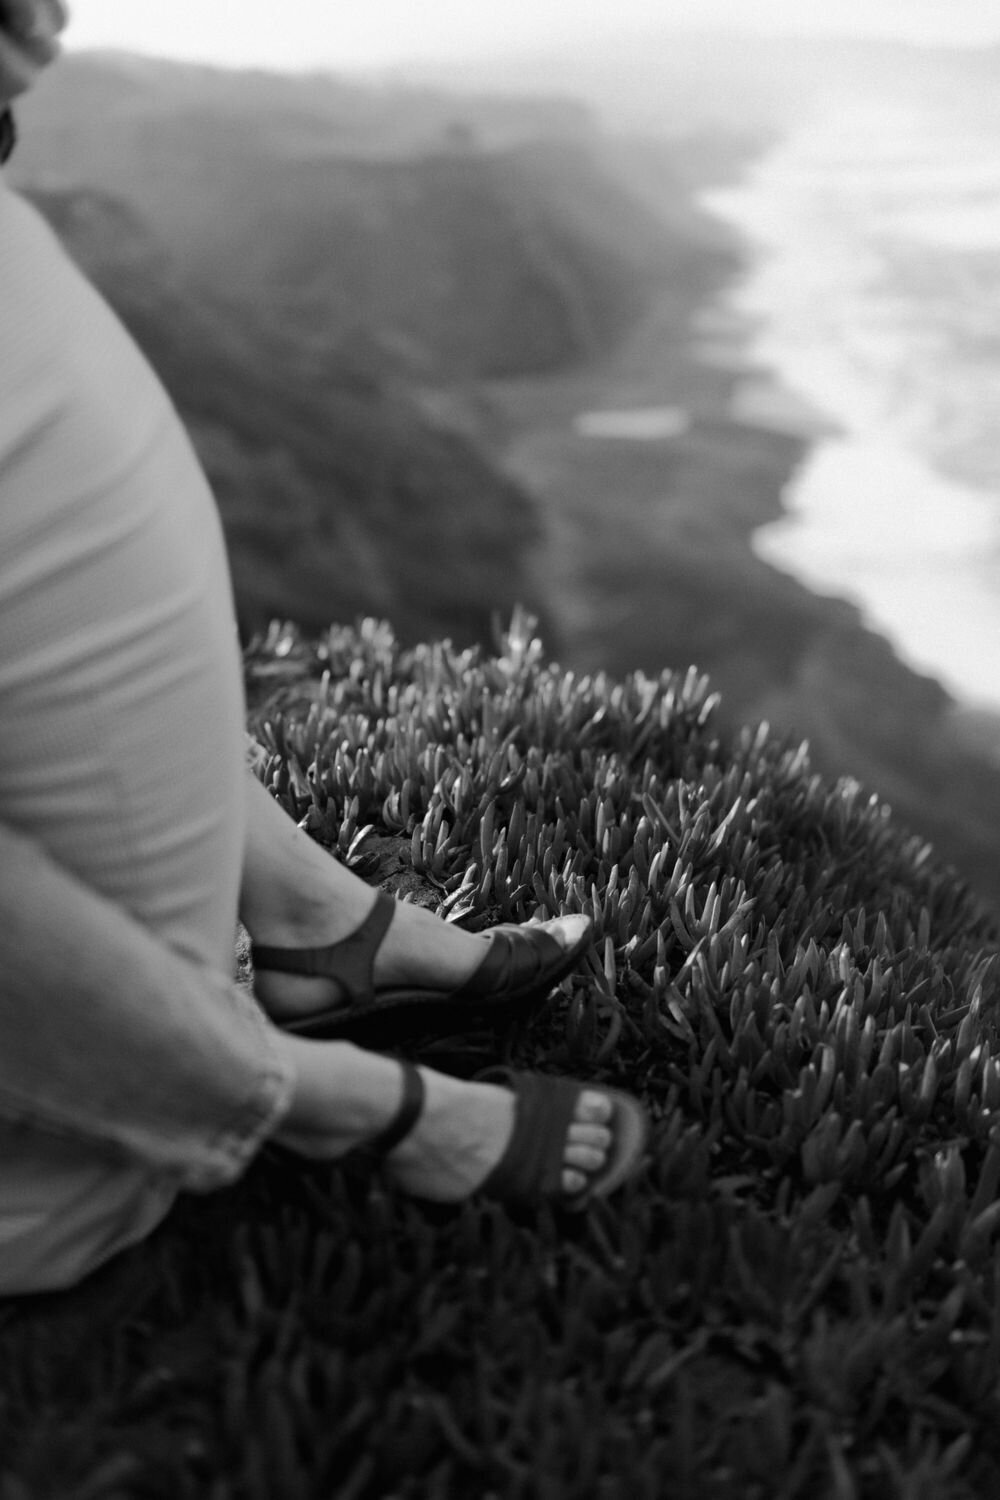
(521, 965)
(530, 1171)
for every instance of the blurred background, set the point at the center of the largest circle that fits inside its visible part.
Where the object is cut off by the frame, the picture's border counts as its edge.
(677, 323)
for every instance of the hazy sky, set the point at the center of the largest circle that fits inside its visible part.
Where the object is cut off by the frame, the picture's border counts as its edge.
(378, 33)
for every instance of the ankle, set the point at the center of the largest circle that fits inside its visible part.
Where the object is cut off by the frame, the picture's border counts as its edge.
(342, 1096)
(308, 919)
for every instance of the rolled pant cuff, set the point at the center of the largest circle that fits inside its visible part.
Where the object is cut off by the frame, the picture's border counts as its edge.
(226, 1155)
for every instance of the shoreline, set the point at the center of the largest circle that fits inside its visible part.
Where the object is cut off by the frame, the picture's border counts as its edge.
(873, 516)
(649, 562)
(604, 563)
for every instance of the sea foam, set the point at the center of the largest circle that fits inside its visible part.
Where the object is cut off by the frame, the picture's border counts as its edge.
(873, 293)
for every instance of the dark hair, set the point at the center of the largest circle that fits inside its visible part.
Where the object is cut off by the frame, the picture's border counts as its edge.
(8, 135)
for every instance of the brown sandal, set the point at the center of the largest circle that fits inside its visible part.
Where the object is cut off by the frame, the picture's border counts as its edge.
(530, 1170)
(521, 965)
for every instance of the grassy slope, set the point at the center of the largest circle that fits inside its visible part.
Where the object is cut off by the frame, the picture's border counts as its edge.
(797, 1297)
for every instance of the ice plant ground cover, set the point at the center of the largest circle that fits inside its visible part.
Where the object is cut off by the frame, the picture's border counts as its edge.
(798, 1296)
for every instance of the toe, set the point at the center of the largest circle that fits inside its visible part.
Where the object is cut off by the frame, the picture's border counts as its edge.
(567, 931)
(584, 1158)
(593, 1108)
(598, 1136)
(588, 1142)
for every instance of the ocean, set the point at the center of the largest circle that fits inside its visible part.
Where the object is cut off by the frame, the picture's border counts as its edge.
(872, 296)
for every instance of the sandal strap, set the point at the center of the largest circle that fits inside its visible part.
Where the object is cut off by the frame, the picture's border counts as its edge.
(349, 962)
(531, 1167)
(515, 961)
(410, 1108)
(8, 134)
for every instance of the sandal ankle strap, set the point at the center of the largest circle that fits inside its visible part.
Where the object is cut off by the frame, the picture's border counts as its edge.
(410, 1109)
(350, 961)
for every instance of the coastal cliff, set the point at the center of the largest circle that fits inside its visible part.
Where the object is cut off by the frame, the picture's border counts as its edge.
(386, 389)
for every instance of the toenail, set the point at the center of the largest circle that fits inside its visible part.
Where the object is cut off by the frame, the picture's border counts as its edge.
(582, 1134)
(597, 1108)
(585, 1158)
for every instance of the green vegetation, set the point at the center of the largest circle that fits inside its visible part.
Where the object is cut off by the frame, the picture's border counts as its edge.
(798, 1297)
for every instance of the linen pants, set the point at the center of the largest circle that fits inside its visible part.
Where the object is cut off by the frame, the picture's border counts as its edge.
(122, 765)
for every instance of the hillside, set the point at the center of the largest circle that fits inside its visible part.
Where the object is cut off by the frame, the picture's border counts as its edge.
(330, 483)
(322, 366)
(456, 246)
(798, 1295)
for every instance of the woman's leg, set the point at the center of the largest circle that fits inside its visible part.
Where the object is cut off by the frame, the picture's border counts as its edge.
(130, 1071)
(344, 1096)
(295, 895)
(127, 1072)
